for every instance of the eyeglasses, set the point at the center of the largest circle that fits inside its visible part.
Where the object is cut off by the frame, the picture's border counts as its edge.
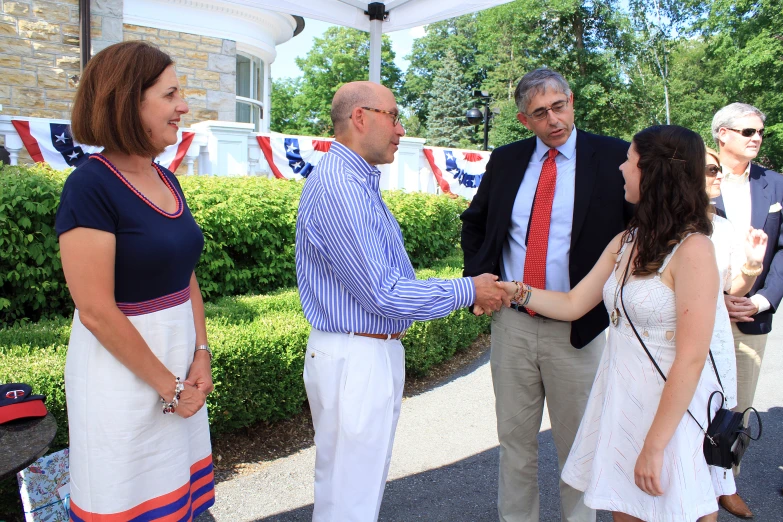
(540, 114)
(748, 132)
(713, 170)
(395, 115)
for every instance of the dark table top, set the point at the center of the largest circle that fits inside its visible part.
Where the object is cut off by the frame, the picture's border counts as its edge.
(24, 441)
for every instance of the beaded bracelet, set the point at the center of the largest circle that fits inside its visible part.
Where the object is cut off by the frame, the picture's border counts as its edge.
(528, 293)
(522, 295)
(171, 407)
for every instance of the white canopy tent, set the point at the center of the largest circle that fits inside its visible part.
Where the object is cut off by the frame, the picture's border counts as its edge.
(375, 17)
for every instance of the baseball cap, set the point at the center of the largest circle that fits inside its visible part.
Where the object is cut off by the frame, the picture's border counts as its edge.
(18, 402)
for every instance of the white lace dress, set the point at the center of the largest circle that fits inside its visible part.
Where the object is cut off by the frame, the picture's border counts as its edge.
(623, 402)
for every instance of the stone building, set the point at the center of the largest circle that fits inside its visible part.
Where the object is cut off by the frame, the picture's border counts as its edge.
(223, 52)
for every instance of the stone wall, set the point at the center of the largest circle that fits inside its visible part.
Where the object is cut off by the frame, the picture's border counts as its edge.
(106, 18)
(39, 57)
(206, 68)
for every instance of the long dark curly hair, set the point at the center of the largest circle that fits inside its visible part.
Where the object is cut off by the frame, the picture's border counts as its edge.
(673, 201)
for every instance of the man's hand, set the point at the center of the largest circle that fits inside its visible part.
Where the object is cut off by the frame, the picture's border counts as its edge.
(490, 295)
(741, 309)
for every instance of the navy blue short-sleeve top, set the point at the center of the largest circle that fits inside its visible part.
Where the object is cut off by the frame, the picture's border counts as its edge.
(156, 251)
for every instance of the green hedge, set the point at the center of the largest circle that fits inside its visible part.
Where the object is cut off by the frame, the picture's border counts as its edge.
(258, 343)
(248, 224)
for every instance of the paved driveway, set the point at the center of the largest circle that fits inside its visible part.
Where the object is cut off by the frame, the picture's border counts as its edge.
(444, 466)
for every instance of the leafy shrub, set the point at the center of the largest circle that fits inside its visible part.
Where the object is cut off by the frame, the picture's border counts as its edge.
(249, 226)
(258, 344)
(430, 224)
(248, 223)
(31, 279)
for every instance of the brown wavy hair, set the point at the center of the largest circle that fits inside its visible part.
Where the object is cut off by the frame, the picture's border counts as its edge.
(672, 200)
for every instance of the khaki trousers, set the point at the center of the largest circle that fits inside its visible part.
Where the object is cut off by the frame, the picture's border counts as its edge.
(749, 350)
(532, 359)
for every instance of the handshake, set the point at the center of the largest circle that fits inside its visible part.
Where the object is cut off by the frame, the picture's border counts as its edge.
(491, 294)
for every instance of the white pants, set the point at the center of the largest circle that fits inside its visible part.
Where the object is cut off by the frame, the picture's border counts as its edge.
(354, 387)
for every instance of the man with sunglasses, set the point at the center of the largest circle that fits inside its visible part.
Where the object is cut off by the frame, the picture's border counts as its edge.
(751, 196)
(546, 208)
(360, 293)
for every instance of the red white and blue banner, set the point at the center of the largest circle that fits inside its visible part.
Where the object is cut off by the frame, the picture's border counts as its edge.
(293, 157)
(49, 142)
(458, 171)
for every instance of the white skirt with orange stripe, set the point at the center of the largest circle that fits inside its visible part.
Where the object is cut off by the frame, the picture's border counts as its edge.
(127, 459)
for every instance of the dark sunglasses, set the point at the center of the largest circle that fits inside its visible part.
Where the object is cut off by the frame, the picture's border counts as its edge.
(713, 170)
(749, 132)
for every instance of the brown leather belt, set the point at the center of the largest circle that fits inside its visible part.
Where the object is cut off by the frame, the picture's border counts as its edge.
(385, 337)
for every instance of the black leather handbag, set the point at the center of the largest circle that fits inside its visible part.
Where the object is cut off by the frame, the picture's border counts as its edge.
(726, 437)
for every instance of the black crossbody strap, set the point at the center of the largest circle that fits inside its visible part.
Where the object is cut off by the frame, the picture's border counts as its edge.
(627, 318)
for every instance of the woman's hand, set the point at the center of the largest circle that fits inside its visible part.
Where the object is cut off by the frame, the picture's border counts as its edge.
(200, 373)
(191, 399)
(647, 473)
(755, 247)
(510, 288)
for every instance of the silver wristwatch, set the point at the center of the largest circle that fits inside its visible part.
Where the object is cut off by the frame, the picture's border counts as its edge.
(205, 347)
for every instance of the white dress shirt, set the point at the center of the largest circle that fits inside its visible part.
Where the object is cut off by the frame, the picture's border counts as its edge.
(737, 203)
(559, 249)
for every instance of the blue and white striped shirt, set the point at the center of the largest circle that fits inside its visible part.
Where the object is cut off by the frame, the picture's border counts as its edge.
(353, 271)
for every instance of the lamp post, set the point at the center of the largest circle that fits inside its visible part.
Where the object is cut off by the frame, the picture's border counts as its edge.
(475, 116)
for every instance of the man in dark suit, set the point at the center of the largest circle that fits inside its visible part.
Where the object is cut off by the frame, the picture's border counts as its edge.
(543, 214)
(750, 196)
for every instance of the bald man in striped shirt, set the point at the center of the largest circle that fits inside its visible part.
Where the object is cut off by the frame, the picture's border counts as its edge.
(360, 293)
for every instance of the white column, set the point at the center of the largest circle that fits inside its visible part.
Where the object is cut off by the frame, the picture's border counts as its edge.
(404, 173)
(194, 152)
(227, 151)
(266, 121)
(14, 145)
(375, 50)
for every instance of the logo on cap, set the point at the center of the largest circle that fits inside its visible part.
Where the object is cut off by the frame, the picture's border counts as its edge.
(14, 394)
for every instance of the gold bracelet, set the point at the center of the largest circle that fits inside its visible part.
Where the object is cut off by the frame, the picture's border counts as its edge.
(751, 272)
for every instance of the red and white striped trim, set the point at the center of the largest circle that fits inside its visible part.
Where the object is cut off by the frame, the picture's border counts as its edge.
(115, 170)
(155, 305)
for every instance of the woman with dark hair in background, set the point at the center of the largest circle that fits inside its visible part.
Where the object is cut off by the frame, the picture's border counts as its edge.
(638, 453)
(138, 365)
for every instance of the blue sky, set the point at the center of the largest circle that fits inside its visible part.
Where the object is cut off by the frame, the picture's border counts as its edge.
(285, 67)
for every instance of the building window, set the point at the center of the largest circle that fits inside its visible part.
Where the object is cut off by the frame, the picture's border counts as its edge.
(250, 81)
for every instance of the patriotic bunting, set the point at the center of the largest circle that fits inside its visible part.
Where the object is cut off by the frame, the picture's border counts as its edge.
(51, 143)
(293, 157)
(459, 172)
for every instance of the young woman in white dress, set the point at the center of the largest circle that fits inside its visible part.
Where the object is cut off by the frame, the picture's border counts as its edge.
(738, 265)
(638, 453)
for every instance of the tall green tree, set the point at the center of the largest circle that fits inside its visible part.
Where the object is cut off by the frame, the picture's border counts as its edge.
(457, 35)
(746, 44)
(584, 41)
(288, 112)
(659, 24)
(446, 106)
(342, 55)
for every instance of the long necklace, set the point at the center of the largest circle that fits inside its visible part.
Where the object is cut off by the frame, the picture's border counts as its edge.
(614, 316)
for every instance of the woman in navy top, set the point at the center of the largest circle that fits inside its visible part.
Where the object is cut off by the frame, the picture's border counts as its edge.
(138, 348)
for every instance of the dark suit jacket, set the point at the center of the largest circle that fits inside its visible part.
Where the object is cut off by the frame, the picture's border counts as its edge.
(600, 213)
(766, 189)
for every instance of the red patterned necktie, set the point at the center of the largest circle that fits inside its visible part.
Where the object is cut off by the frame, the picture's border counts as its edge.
(538, 232)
